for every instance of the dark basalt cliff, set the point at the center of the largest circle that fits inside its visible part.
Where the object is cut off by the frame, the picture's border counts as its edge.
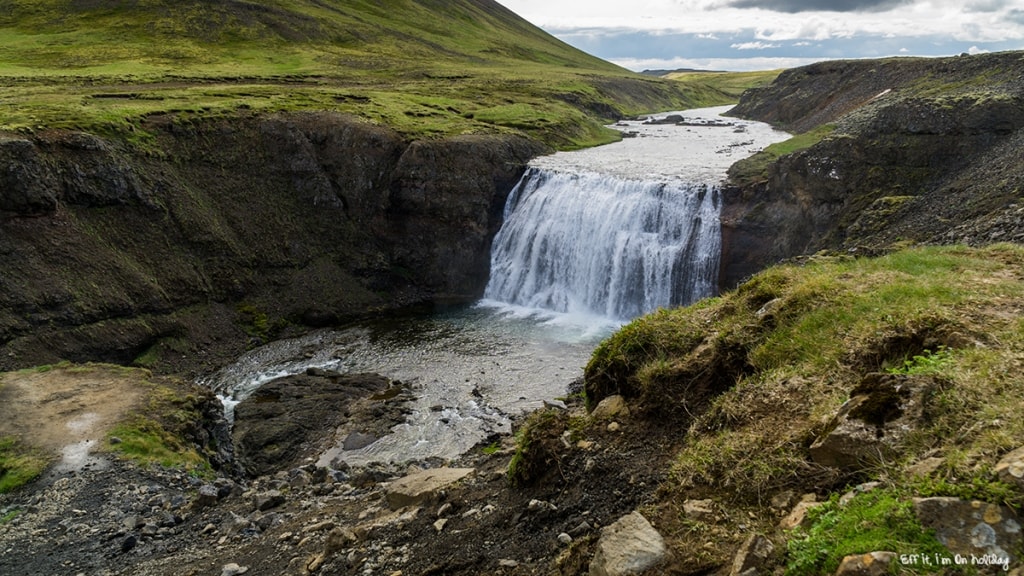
(217, 234)
(923, 151)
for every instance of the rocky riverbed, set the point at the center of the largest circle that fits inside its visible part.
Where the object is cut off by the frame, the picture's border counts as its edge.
(120, 518)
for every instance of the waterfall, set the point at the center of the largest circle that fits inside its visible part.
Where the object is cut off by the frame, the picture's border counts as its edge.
(582, 242)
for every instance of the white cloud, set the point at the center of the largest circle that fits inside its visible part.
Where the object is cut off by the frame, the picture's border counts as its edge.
(708, 34)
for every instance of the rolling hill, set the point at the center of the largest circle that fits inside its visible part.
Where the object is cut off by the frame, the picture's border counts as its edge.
(426, 68)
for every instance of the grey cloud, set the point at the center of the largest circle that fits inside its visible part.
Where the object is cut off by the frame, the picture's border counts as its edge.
(1015, 16)
(985, 6)
(795, 6)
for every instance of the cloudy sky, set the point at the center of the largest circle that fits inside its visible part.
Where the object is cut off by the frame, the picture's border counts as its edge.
(766, 34)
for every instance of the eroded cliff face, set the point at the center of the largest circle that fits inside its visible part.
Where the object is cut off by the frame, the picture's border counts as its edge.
(923, 151)
(218, 234)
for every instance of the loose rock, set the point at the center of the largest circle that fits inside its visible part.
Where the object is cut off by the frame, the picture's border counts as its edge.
(873, 564)
(629, 546)
(423, 486)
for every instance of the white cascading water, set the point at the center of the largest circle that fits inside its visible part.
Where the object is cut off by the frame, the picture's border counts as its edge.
(599, 244)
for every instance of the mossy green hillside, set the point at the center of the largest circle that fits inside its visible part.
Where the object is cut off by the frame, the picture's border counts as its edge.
(755, 375)
(427, 69)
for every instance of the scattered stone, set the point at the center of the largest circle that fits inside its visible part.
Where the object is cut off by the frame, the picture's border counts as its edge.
(338, 539)
(555, 404)
(972, 527)
(585, 444)
(798, 516)
(269, 500)
(423, 487)
(319, 526)
(873, 564)
(128, 543)
(440, 523)
(508, 563)
(207, 496)
(581, 529)
(783, 500)
(445, 509)
(540, 506)
(133, 522)
(925, 467)
(857, 490)
(564, 539)
(628, 546)
(233, 570)
(699, 510)
(611, 407)
(752, 556)
(1010, 468)
(614, 427)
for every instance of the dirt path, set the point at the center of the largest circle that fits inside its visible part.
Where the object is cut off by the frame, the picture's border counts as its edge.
(67, 411)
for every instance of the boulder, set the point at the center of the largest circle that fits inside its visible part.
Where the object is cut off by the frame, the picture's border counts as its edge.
(629, 546)
(1010, 468)
(972, 528)
(872, 425)
(423, 487)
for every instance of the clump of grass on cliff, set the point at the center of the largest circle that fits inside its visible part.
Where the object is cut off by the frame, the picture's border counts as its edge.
(163, 432)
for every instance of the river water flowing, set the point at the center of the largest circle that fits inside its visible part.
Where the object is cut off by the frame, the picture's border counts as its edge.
(591, 239)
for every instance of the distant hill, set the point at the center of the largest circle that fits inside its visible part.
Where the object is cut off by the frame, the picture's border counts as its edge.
(427, 68)
(267, 36)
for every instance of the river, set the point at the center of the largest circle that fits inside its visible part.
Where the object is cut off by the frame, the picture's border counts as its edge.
(591, 239)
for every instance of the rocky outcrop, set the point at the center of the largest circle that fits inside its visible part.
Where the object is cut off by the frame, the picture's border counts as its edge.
(922, 151)
(210, 235)
(293, 418)
(873, 424)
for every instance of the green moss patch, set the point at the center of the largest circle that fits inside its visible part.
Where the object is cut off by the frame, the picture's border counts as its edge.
(19, 464)
(872, 521)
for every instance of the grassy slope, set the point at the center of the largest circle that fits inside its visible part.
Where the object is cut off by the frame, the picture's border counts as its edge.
(778, 356)
(424, 67)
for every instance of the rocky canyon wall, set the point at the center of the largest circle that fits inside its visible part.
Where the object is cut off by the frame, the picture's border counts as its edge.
(922, 151)
(208, 236)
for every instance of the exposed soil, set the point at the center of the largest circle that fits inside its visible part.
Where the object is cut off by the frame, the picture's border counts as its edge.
(66, 413)
(123, 519)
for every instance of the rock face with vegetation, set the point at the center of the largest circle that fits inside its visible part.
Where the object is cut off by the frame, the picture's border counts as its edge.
(236, 230)
(888, 151)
